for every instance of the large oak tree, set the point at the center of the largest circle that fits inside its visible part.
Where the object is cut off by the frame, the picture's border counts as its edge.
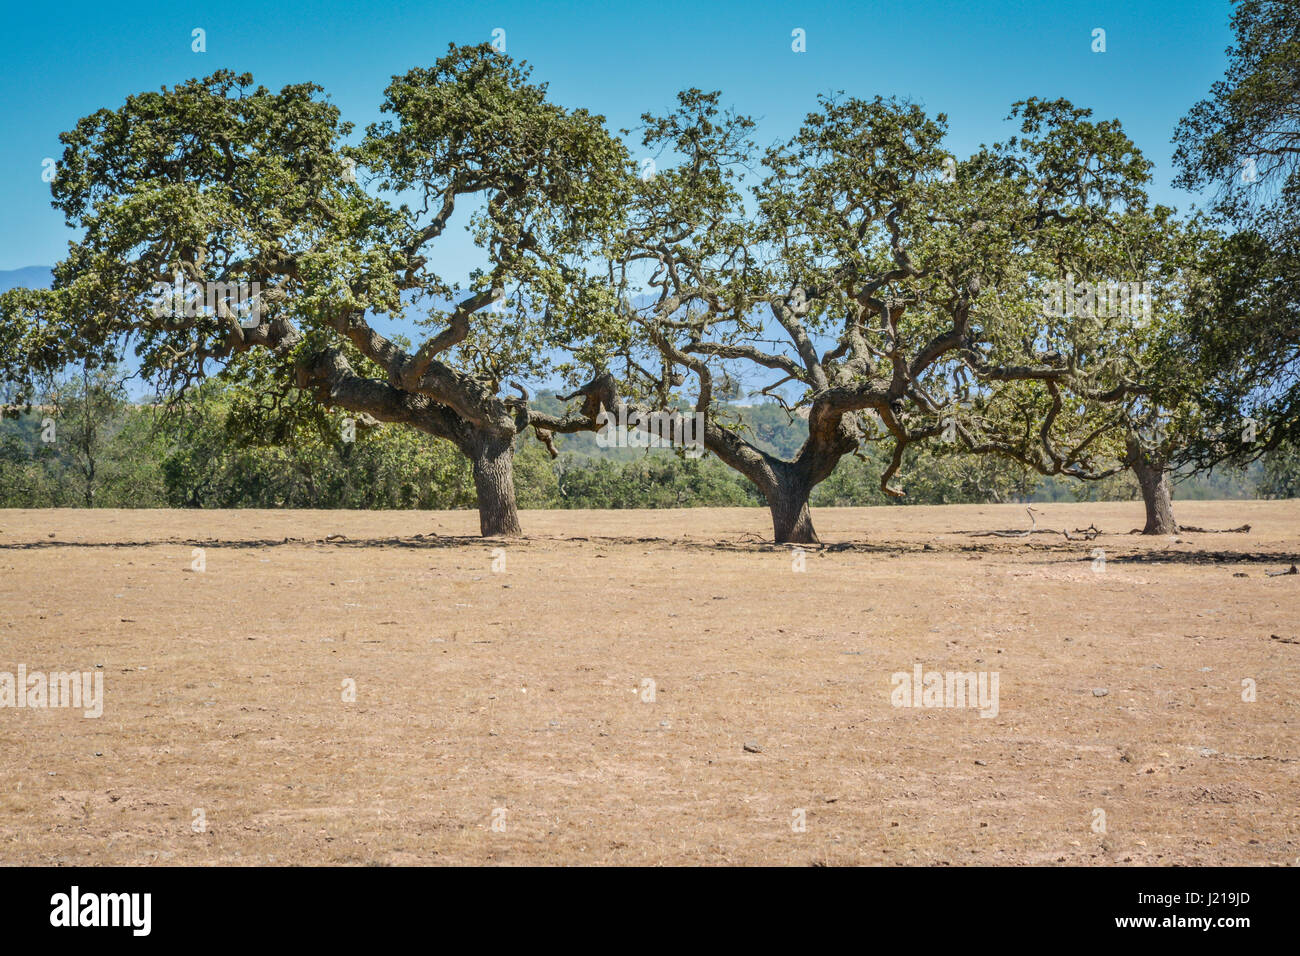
(215, 182)
(884, 288)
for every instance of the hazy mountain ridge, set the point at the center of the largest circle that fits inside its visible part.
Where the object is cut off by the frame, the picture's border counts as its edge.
(28, 277)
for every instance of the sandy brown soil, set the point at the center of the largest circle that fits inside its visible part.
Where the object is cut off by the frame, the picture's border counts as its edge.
(525, 690)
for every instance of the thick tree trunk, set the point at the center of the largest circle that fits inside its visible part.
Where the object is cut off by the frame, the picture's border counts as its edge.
(1154, 481)
(494, 480)
(791, 521)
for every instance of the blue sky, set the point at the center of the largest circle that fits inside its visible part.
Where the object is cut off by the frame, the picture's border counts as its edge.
(968, 58)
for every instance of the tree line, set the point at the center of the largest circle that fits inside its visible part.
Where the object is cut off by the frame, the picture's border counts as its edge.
(86, 444)
(1026, 306)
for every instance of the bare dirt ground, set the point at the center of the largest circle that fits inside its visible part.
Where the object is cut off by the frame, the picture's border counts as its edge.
(523, 695)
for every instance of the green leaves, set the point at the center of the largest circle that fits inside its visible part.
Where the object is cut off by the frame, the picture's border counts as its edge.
(1243, 141)
(546, 181)
(217, 181)
(1243, 144)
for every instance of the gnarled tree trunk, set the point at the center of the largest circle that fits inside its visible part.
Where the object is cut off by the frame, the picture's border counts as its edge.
(791, 520)
(788, 484)
(494, 480)
(1153, 479)
(490, 450)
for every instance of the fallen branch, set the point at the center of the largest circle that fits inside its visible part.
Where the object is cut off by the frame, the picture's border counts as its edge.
(1278, 574)
(1011, 534)
(1084, 534)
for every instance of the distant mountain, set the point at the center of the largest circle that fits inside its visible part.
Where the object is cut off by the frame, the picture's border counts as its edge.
(29, 277)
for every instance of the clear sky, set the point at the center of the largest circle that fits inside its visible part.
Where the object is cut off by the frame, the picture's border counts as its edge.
(968, 58)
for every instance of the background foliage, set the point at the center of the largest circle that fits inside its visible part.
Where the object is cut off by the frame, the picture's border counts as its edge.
(218, 450)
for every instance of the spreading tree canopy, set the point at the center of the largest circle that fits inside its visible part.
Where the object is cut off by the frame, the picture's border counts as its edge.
(226, 227)
(893, 292)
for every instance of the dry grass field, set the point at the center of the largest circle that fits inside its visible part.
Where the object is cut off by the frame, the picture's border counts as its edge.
(523, 695)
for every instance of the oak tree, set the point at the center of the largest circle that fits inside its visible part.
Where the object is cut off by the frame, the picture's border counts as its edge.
(227, 228)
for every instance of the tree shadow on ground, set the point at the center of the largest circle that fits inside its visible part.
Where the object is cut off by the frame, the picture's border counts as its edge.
(745, 543)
